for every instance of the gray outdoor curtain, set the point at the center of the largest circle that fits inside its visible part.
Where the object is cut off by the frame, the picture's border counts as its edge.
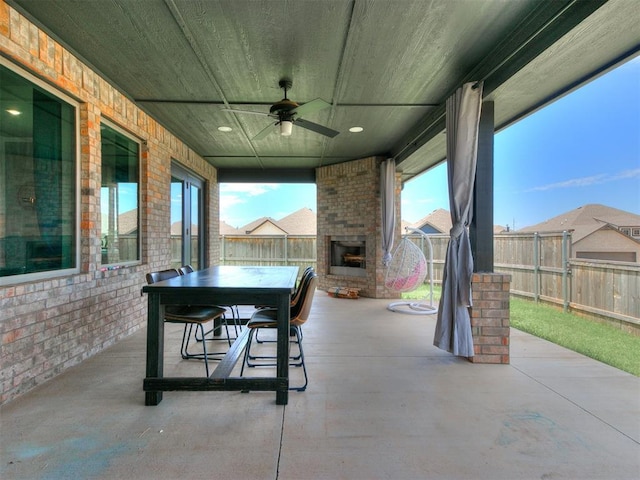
(387, 194)
(453, 327)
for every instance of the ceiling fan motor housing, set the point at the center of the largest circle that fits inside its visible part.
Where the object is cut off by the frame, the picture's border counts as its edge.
(284, 106)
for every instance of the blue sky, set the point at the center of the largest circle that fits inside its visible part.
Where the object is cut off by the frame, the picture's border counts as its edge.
(583, 148)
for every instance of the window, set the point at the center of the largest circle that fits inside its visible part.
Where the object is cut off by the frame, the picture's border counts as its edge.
(636, 232)
(625, 230)
(38, 180)
(119, 199)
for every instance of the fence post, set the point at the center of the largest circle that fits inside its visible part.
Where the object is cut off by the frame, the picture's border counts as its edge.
(536, 266)
(565, 273)
(286, 249)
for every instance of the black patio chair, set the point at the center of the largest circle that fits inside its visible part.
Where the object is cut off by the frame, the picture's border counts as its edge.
(191, 316)
(267, 318)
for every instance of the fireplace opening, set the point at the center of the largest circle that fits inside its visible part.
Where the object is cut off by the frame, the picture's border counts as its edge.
(348, 257)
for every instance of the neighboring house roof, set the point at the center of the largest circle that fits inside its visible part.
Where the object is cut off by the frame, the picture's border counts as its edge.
(127, 222)
(300, 222)
(226, 229)
(585, 220)
(176, 229)
(262, 223)
(439, 220)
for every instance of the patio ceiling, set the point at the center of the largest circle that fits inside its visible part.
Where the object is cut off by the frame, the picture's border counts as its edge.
(387, 66)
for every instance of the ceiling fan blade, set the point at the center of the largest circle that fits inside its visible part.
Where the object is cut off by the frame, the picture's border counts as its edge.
(264, 132)
(314, 127)
(310, 107)
(245, 111)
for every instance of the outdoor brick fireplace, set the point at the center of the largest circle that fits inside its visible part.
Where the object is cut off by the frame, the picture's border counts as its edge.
(349, 223)
(348, 256)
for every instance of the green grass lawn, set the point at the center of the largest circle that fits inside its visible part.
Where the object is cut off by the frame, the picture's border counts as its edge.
(596, 340)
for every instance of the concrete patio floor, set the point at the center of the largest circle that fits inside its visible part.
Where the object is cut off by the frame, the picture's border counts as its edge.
(382, 403)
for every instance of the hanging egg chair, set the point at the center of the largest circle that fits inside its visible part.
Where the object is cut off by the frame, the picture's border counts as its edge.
(407, 271)
(408, 267)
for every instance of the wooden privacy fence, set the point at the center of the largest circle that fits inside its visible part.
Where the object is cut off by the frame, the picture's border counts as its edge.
(540, 266)
(293, 250)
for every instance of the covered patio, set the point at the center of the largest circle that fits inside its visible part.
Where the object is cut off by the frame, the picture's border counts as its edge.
(175, 92)
(382, 403)
(161, 101)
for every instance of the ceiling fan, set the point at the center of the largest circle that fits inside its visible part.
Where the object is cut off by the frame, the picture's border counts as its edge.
(288, 113)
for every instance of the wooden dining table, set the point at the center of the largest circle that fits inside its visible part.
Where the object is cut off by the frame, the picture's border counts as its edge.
(220, 285)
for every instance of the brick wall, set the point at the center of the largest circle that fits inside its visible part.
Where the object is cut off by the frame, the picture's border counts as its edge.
(490, 317)
(349, 206)
(50, 325)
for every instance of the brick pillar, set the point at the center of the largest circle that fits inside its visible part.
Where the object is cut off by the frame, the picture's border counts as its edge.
(490, 317)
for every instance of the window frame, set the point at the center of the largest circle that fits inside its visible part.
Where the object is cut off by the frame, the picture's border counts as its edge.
(189, 178)
(114, 126)
(61, 96)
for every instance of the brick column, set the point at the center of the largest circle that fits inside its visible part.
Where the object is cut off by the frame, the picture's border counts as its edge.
(490, 317)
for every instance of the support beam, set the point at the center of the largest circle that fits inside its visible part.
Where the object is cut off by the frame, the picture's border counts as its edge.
(272, 175)
(481, 229)
(545, 25)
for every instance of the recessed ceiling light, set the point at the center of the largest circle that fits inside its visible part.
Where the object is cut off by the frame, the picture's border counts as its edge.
(225, 129)
(356, 129)
(13, 111)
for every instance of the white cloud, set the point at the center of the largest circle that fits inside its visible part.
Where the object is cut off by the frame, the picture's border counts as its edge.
(588, 181)
(627, 174)
(227, 201)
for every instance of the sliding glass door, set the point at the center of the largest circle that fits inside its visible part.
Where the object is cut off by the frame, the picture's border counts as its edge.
(187, 218)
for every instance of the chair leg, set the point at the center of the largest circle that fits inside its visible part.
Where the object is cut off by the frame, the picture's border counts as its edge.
(204, 350)
(294, 331)
(184, 352)
(304, 367)
(300, 357)
(291, 333)
(254, 332)
(245, 360)
(235, 314)
(184, 348)
(185, 340)
(235, 317)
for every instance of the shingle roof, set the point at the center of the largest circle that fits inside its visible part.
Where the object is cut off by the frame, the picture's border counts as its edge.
(226, 229)
(439, 219)
(128, 222)
(300, 222)
(176, 228)
(253, 226)
(585, 220)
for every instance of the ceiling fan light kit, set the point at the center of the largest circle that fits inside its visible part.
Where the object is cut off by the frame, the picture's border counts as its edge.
(288, 113)
(285, 128)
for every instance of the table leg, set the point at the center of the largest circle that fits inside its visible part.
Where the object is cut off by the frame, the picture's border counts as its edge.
(282, 368)
(155, 345)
